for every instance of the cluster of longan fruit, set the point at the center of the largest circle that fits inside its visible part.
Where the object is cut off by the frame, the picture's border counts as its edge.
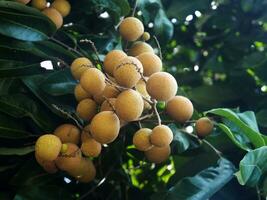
(55, 12)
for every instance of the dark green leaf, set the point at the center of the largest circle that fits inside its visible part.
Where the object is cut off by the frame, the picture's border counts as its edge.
(16, 151)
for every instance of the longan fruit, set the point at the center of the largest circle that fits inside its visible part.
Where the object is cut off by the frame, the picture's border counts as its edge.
(109, 92)
(146, 36)
(131, 29)
(161, 86)
(141, 139)
(141, 88)
(129, 105)
(161, 136)
(48, 166)
(90, 147)
(80, 93)
(151, 63)
(128, 72)
(47, 147)
(106, 105)
(204, 127)
(180, 108)
(86, 109)
(54, 16)
(62, 6)
(93, 81)
(86, 134)
(140, 47)
(80, 65)
(68, 133)
(39, 4)
(158, 154)
(105, 127)
(112, 59)
(23, 1)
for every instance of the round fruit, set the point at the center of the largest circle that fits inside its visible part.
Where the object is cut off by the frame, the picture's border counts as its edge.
(86, 134)
(109, 92)
(39, 4)
(23, 1)
(93, 81)
(86, 109)
(112, 59)
(80, 65)
(129, 105)
(140, 47)
(128, 72)
(146, 36)
(68, 133)
(141, 88)
(204, 126)
(107, 105)
(158, 154)
(62, 6)
(48, 166)
(131, 28)
(54, 16)
(141, 139)
(161, 136)
(180, 109)
(48, 147)
(151, 63)
(80, 93)
(90, 147)
(161, 86)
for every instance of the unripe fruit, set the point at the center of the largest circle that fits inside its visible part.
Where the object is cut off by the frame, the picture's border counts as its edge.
(140, 47)
(141, 139)
(112, 59)
(131, 28)
(141, 88)
(90, 147)
(129, 105)
(161, 86)
(105, 127)
(93, 81)
(62, 6)
(204, 126)
(86, 109)
(109, 92)
(80, 93)
(39, 4)
(23, 1)
(48, 147)
(180, 109)
(161, 136)
(48, 166)
(68, 133)
(54, 16)
(80, 65)
(128, 72)
(158, 154)
(146, 36)
(151, 63)
(107, 105)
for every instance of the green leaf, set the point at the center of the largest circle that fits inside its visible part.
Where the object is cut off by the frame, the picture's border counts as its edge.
(262, 117)
(16, 151)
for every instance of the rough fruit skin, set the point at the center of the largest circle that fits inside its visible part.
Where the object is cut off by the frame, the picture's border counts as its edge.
(128, 72)
(131, 29)
(86, 109)
(68, 133)
(62, 6)
(105, 127)
(80, 65)
(141, 88)
(112, 59)
(48, 147)
(161, 86)
(23, 1)
(204, 126)
(151, 63)
(106, 105)
(54, 16)
(90, 147)
(48, 166)
(141, 139)
(93, 81)
(158, 154)
(109, 92)
(161, 136)
(86, 134)
(39, 4)
(129, 105)
(80, 93)
(140, 47)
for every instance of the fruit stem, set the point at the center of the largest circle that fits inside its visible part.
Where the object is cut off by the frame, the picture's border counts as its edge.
(110, 104)
(134, 8)
(158, 45)
(156, 111)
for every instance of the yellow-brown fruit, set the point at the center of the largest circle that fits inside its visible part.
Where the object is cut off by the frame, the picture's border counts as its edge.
(161, 136)
(112, 59)
(80, 65)
(161, 86)
(146, 36)
(48, 166)
(86, 109)
(109, 92)
(204, 126)
(158, 154)
(180, 109)
(140, 47)
(141, 88)
(48, 147)
(39, 4)
(23, 1)
(151, 63)
(90, 147)
(105, 127)
(86, 133)
(131, 29)
(107, 105)
(68, 133)
(129, 105)
(128, 72)
(80, 93)
(62, 6)
(141, 139)
(93, 81)
(54, 16)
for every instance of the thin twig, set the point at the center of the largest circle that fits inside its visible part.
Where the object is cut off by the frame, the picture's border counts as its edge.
(145, 117)
(109, 103)
(258, 192)
(139, 124)
(156, 111)
(94, 49)
(158, 45)
(134, 8)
